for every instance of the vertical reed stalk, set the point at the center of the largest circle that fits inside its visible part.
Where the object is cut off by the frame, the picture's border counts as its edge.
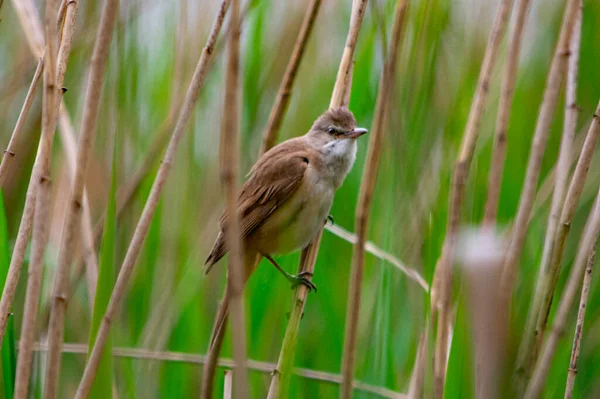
(509, 78)
(528, 348)
(41, 184)
(74, 211)
(281, 376)
(585, 291)
(442, 280)
(10, 154)
(553, 84)
(229, 176)
(284, 93)
(587, 243)
(133, 251)
(386, 88)
(26, 13)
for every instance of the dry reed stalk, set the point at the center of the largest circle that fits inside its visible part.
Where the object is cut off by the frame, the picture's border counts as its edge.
(585, 291)
(139, 235)
(386, 87)
(281, 376)
(443, 275)
(284, 93)
(586, 246)
(417, 380)
(26, 13)
(73, 216)
(229, 165)
(9, 153)
(553, 85)
(228, 385)
(481, 255)
(509, 79)
(255, 365)
(528, 348)
(42, 185)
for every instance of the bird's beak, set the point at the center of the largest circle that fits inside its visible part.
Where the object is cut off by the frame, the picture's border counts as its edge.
(357, 132)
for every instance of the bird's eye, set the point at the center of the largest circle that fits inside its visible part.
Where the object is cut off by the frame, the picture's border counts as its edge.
(331, 129)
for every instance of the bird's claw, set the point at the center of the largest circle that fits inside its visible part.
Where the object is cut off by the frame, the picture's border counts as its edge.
(302, 279)
(330, 219)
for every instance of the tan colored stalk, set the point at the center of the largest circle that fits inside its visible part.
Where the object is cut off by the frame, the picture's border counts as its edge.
(26, 13)
(228, 385)
(139, 235)
(585, 291)
(74, 211)
(442, 281)
(509, 79)
(586, 246)
(229, 176)
(553, 85)
(528, 348)
(281, 376)
(10, 154)
(417, 380)
(369, 178)
(255, 365)
(41, 183)
(284, 93)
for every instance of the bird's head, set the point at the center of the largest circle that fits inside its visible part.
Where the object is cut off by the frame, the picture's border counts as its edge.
(336, 124)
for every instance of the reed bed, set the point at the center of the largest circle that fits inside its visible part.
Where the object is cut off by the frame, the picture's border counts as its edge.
(461, 240)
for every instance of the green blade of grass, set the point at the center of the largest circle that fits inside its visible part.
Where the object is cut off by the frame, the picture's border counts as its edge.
(102, 387)
(8, 346)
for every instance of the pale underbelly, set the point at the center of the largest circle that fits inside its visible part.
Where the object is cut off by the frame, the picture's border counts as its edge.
(293, 226)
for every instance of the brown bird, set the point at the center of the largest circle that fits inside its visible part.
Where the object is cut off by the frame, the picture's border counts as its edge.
(289, 193)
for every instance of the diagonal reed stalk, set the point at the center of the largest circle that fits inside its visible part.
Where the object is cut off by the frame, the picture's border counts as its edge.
(442, 281)
(281, 377)
(586, 246)
(284, 93)
(9, 153)
(384, 98)
(585, 291)
(229, 160)
(553, 84)
(41, 186)
(133, 251)
(26, 12)
(509, 79)
(541, 301)
(74, 210)
(417, 379)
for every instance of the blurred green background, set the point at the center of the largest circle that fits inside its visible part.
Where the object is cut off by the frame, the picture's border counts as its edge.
(170, 304)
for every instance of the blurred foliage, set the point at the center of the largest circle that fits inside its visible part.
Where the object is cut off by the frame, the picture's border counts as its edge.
(170, 304)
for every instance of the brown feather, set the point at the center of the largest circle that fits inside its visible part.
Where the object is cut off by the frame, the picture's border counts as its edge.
(273, 180)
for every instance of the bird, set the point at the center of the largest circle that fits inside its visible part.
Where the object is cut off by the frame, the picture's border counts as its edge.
(288, 194)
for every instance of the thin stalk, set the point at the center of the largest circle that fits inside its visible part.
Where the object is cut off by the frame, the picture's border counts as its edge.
(229, 175)
(42, 185)
(528, 349)
(284, 93)
(10, 152)
(369, 178)
(255, 365)
(585, 291)
(444, 270)
(587, 243)
(26, 12)
(73, 216)
(509, 79)
(139, 235)
(228, 385)
(417, 380)
(281, 377)
(553, 85)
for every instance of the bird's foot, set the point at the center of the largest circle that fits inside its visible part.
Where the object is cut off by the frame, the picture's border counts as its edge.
(302, 279)
(329, 219)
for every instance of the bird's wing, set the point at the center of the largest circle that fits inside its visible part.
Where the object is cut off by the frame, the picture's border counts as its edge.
(273, 179)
